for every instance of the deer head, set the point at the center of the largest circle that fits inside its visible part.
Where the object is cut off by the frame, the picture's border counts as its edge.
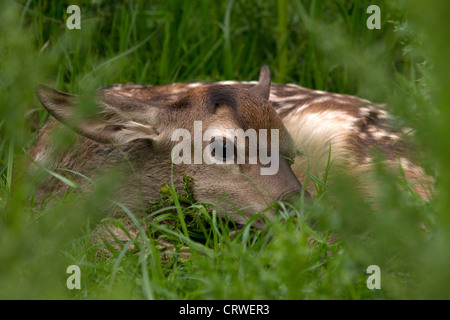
(152, 131)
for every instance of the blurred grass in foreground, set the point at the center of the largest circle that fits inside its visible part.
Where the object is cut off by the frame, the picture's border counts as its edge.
(318, 44)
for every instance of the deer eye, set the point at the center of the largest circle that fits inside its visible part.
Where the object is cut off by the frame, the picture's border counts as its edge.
(223, 150)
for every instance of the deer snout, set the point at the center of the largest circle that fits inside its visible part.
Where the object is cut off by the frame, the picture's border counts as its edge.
(289, 188)
(293, 196)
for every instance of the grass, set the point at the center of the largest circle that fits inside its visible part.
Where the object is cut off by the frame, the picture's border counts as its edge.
(183, 250)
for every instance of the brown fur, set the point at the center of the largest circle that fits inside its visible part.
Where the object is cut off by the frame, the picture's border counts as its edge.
(367, 128)
(141, 128)
(140, 119)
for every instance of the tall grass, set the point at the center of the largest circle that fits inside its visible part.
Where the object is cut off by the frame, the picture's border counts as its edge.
(183, 250)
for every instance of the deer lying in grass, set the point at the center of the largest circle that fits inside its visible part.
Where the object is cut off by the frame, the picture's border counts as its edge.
(134, 125)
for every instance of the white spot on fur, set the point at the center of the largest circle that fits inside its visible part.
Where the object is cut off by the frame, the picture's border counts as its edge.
(322, 99)
(275, 98)
(40, 156)
(293, 85)
(126, 94)
(380, 134)
(285, 106)
(228, 83)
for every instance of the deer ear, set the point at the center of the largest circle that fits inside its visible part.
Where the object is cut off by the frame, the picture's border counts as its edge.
(262, 89)
(118, 119)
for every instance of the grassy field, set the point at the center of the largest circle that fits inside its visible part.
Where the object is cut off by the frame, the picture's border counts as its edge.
(318, 44)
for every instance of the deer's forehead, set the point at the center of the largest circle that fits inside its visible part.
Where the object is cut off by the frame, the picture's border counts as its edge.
(236, 107)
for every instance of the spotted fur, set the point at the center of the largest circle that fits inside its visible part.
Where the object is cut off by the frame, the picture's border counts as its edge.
(315, 127)
(351, 128)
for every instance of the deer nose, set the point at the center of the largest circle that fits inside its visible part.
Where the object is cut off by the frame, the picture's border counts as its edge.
(293, 196)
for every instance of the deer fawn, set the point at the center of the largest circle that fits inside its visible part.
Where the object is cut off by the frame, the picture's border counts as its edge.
(135, 124)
